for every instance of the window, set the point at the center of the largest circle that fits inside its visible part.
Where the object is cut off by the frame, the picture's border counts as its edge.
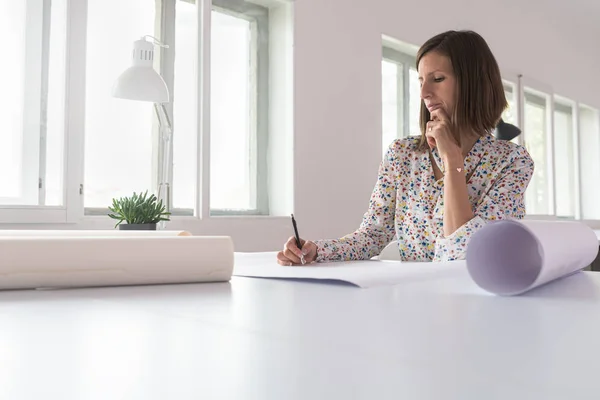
(239, 90)
(589, 161)
(414, 103)
(392, 92)
(238, 130)
(564, 160)
(562, 137)
(238, 108)
(119, 155)
(538, 195)
(185, 137)
(53, 182)
(510, 113)
(401, 97)
(70, 147)
(32, 104)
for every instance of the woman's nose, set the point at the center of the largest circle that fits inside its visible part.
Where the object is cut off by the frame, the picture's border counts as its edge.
(425, 90)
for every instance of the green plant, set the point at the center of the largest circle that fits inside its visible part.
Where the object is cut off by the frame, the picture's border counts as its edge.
(138, 209)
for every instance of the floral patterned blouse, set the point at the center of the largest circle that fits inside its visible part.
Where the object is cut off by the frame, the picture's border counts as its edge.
(407, 203)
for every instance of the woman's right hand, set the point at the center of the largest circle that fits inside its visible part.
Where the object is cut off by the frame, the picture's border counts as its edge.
(291, 254)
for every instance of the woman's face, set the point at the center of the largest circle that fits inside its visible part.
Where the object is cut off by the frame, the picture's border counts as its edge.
(438, 83)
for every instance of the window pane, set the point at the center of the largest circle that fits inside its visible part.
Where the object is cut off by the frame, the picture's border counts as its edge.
(414, 102)
(185, 130)
(564, 160)
(510, 113)
(232, 134)
(391, 78)
(12, 25)
(55, 132)
(537, 196)
(589, 147)
(31, 133)
(118, 132)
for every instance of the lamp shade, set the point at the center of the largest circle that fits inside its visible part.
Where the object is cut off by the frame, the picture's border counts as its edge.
(141, 81)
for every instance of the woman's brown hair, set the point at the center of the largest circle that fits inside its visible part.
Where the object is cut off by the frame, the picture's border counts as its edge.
(480, 94)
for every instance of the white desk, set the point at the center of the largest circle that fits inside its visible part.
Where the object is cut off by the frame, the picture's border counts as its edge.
(439, 338)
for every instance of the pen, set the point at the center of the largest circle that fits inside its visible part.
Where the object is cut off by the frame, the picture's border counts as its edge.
(298, 244)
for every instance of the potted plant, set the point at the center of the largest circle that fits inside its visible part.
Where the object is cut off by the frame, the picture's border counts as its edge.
(139, 211)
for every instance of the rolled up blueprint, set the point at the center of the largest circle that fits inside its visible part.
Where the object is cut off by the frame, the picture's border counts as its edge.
(58, 261)
(511, 257)
(77, 233)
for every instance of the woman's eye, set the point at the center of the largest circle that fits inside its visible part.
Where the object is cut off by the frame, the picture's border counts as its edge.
(439, 79)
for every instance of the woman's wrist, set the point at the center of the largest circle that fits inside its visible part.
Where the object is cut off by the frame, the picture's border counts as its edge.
(453, 163)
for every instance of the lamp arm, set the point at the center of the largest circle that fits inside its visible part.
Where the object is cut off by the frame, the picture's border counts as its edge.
(165, 140)
(163, 116)
(156, 41)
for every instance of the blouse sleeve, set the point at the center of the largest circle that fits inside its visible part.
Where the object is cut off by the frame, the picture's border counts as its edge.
(504, 200)
(377, 227)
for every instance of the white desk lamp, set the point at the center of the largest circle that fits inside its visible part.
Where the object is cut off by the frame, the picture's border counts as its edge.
(141, 82)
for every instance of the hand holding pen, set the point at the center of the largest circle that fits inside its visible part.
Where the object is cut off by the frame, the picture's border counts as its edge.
(297, 251)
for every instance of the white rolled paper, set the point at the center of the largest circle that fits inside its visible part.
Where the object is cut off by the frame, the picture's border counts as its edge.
(512, 257)
(58, 261)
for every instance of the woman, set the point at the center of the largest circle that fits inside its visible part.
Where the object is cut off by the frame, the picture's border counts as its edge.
(434, 191)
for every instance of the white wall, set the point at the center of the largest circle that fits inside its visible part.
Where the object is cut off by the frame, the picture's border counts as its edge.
(338, 116)
(337, 110)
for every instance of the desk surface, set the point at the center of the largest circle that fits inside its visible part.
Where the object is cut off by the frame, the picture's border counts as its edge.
(438, 338)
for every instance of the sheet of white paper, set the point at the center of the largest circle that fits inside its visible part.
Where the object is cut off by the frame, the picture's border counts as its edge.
(88, 233)
(511, 257)
(58, 261)
(368, 273)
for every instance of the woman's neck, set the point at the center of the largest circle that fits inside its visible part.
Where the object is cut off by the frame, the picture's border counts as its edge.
(467, 143)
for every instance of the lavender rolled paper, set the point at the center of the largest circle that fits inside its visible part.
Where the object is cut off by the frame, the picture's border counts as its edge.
(512, 257)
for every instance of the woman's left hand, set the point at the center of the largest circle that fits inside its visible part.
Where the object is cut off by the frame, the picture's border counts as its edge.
(439, 134)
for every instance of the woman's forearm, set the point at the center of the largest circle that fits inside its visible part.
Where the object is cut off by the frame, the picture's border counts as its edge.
(457, 208)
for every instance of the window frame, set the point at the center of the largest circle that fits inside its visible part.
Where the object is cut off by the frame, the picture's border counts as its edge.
(35, 100)
(164, 9)
(511, 82)
(567, 106)
(34, 141)
(535, 90)
(595, 113)
(258, 16)
(405, 62)
(73, 210)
